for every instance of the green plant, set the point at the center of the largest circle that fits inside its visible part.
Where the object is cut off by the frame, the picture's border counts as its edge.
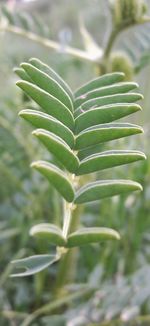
(70, 123)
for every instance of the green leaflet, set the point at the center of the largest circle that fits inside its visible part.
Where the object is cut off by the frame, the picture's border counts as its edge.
(50, 232)
(104, 114)
(48, 103)
(101, 81)
(49, 71)
(105, 132)
(33, 264)
(123, 87)
(110, 99)
(108, 159)
(58, 148)
(22, 74)
(105, 188)
(57, 178)
(45, 121)
(48, 84)
(90, 235)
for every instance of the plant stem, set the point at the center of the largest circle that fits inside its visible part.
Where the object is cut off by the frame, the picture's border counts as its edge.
(67, 218)
(52, 306)
(77, 53)
(110, 43)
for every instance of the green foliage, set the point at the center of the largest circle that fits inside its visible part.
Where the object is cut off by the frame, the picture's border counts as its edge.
(65, 135)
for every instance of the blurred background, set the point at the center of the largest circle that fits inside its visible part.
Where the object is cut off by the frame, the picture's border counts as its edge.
(110, 284)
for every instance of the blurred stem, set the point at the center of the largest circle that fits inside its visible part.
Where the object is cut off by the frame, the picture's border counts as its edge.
(110, 43)
(77, 53)
(52, 306)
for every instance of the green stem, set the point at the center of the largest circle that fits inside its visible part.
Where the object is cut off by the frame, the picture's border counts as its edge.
(67, 218)
(110, 43)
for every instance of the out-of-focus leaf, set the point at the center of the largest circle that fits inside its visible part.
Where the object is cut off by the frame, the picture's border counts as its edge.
(50, 232)
(33, 264)
(90, 235)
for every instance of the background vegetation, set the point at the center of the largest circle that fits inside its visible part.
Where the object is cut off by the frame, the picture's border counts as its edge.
(109, 284)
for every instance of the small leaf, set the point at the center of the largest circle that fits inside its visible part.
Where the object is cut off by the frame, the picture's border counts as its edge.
(108, 159)
(105, 132)
(91, 235)
(57, 178)
(104, 114)
(50, 232)
(22, 74)
(33, 264)
(48, 103)
(110, 99)
(105, 188)
(105, 91)
(49, 71)
(58, 148)
(48, 84)
(45, 121)
(101, 81)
